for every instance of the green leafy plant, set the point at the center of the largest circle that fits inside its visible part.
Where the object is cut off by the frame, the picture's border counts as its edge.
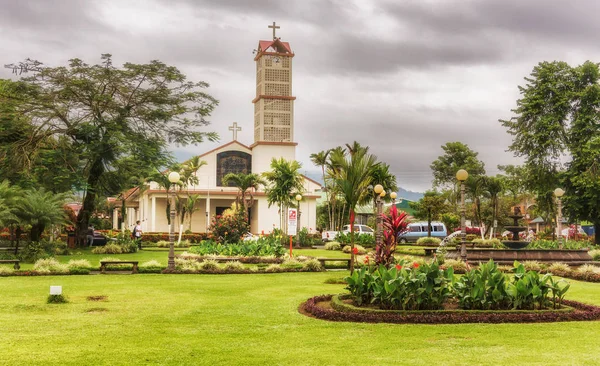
(262, 247)
(483, 288)
(57, 299)
(333, 245)
(428, 241)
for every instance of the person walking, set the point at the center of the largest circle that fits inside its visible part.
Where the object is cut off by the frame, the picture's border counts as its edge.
(137, 233)
(90, 236)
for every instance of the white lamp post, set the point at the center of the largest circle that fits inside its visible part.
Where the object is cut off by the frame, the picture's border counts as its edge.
(558, 192)
(462, 175)
(298, 199)
(174, 179)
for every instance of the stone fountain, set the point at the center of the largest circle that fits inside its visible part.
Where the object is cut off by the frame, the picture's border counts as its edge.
(515, 229)
(517, 250)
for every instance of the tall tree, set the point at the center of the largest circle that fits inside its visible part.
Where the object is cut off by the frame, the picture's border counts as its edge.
(429, 208)
(557, 120)
(109, 114)
(456, 156)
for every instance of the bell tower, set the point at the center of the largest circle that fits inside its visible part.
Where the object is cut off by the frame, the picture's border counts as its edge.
(274, 103)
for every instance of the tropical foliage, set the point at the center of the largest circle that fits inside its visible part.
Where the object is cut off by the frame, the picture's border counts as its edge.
(284, 181)
(416, 286)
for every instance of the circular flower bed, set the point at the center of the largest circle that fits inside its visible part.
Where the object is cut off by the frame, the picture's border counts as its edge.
(334, 308)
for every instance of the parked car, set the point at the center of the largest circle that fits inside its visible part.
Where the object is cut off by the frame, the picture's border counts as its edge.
(99, 239)
(418, 230)
(358, 229)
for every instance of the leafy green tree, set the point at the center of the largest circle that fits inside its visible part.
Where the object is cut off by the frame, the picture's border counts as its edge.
(116, 118)
(284, 180)
(429, 208)
(355, 183)
(557, 117)
(456, 156)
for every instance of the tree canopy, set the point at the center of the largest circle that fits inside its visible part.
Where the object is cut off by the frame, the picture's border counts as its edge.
(456, 156)
(556, 128)
(119, 120)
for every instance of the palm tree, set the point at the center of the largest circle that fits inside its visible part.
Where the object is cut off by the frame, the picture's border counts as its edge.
(334, 166)
(191, 207)
(320, 160)
(494, 187)
(40, 209)
(381, 175)
(284, 180)
(475, 185)
(354, 184)
(247, 184)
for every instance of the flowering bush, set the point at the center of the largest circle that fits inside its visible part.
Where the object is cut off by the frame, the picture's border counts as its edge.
(358, 249)
(229, 228)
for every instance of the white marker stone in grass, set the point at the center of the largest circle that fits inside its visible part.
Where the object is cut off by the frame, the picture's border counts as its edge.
(55, 290)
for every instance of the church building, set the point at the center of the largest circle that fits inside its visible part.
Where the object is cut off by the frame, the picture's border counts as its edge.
(273, 138)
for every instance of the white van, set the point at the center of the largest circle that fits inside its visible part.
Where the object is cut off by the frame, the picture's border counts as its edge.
(418, 230)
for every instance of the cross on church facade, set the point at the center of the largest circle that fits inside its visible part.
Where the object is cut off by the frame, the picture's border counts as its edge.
(274, 27)
(234, 128)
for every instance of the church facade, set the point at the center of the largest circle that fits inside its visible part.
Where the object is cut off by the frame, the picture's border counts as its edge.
(273, 127)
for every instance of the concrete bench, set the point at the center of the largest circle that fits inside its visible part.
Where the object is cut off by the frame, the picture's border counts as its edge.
(15, 261)
(103, 265)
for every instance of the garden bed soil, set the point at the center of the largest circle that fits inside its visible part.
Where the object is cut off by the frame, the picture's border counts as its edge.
(330, 307)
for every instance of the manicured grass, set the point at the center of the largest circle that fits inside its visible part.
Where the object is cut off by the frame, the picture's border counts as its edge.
(253, 319)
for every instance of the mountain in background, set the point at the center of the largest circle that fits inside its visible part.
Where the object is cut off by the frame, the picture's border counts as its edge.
(402, 193)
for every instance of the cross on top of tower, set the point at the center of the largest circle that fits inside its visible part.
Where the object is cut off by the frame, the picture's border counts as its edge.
(234, 128)
(274, 27)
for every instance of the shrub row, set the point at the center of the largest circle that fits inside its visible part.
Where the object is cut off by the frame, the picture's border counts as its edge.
(258, 248)
(582, 312)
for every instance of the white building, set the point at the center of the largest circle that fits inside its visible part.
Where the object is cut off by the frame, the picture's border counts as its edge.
(273, 138)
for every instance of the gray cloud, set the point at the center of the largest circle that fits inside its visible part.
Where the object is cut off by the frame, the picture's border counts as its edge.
(403, 77)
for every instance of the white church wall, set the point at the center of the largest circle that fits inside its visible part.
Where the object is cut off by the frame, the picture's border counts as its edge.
(262, 155)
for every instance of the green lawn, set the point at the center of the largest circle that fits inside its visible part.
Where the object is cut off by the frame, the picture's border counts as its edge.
(253, 319)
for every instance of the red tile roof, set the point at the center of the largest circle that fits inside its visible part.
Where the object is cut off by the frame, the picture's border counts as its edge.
(277, 44)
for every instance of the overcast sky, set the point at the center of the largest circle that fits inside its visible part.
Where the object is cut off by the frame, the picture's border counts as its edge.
(403, 77)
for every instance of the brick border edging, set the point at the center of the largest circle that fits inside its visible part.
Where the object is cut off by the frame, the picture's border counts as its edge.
(583, 312)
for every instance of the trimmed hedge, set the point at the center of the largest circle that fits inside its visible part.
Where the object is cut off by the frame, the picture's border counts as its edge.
(579, 312)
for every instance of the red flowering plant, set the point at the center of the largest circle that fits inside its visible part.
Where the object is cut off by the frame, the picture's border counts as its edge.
(393, 224)
(229, 228)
